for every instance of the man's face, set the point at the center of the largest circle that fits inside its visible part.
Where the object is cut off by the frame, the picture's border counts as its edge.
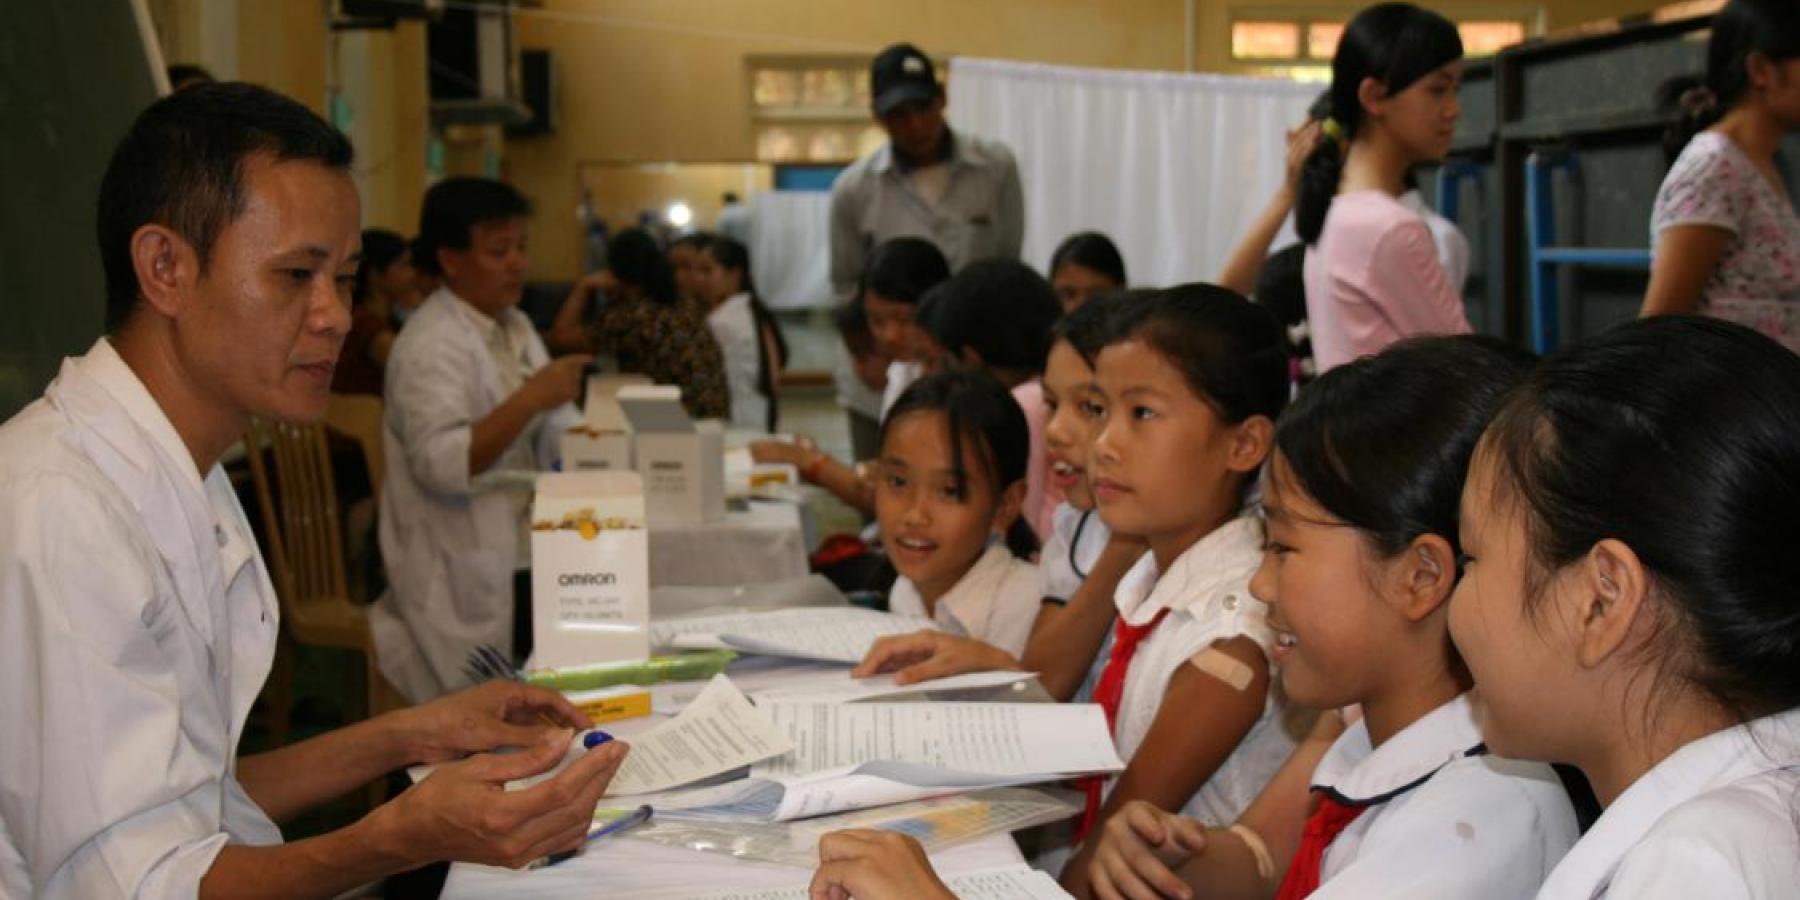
(490, 272)
(916, 127)
(261, 327)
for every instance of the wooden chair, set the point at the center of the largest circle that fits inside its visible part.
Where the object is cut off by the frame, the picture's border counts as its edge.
(306, 562)
(359, 417)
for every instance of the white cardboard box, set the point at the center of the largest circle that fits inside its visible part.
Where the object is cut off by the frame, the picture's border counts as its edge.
(603, 439)
(682, 461)
(590, 570)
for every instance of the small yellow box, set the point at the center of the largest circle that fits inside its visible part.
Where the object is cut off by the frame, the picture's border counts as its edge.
(613, 703)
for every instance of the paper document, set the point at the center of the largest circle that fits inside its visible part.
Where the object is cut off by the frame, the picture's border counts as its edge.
(839, 687)
(859, 756)
(834, 634)
(1011, 883)
(716, 733)
(1002, 740)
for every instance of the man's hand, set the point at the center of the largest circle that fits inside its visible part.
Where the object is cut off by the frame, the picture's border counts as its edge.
(1139, 849)
(485, 717)
(462, 812)
(924, 655)
(874, 865)
(557, 383)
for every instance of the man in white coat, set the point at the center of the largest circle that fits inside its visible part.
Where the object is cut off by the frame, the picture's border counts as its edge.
(137, 621)
(470, 390)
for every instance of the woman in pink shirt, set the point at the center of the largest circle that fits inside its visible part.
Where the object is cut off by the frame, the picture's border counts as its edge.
(1372, 272)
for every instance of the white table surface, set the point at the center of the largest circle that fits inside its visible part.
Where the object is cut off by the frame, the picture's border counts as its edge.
(619, 867)
(763, 543)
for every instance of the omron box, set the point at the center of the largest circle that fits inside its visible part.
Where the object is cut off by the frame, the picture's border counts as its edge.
(590, 570)
(603, 439)
(682, 461)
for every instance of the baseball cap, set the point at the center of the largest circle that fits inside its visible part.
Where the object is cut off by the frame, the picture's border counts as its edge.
(901, 74)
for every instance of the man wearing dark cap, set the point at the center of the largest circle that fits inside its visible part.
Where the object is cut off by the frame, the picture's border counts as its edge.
(956, 190)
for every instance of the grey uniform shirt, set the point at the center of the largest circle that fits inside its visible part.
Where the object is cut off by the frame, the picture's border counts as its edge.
(981, 214)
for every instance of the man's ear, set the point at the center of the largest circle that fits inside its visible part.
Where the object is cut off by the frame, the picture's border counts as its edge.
(1612, 591)
(1251, 441)
(166, 266)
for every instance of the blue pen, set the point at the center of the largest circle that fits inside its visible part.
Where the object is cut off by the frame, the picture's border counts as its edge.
(637, 817)
(595, 738)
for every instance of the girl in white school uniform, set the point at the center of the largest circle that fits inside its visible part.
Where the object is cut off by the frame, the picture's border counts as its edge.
(1079, 566)
(951, 479)
(1630, 605)
(1187, 385)
(1361, 508)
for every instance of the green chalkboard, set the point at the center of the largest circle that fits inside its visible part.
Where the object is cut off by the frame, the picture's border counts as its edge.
(73, 74)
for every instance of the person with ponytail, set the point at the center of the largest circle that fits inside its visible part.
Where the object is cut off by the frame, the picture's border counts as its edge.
(1725, 235)
(755, 352)
(647, 325)
(1372, 270)
(384, 290)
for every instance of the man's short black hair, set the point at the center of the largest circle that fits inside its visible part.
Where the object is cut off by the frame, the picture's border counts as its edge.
(181, 165)
(454, 206)
(186, 75)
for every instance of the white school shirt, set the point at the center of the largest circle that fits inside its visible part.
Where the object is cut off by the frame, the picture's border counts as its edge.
(995, 601)
(137, 625)
(1077, 538)
(1445, 819)
(1718, 819)
(734, 326)
(449, 547)
(1207, 593)
(900, 376)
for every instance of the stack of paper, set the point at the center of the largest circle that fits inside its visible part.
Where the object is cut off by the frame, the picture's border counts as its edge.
(833, 634)
(859, 756)
(1011, 883)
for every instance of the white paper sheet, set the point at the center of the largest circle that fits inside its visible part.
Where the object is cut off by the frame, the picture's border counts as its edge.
(1003, 740)
(839, 687)
(1010, 883)
(718, 732)
(834, 634)
(860, 756)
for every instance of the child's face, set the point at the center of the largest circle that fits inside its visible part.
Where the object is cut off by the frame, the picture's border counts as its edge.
(1164, 465)
(1522, 662)
(1070, 428)
(933, 530)
(1422, 118)
(891, 321)
(1322, 583)
(1076, 284)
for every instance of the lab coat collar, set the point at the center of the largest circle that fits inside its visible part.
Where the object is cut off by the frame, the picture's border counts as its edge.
(1358, 775)
(509, 318)
(1719, 759)
(85, 387)
(1228, 555)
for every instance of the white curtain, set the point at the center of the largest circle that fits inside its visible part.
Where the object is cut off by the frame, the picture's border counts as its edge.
(790, 248)
(1172, 167)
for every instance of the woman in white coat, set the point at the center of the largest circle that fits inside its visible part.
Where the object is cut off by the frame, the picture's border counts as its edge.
(470, 390)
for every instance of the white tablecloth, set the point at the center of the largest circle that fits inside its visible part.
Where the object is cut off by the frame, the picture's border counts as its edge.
(762, 544)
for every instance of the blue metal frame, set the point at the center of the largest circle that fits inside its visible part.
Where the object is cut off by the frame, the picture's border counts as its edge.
(1450, 177)
(1543, 253)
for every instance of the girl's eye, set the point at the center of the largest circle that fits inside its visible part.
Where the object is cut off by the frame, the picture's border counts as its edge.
(1277, 549)
(1091, 409)
(1142, 413)
(895, 481)
(298, 276)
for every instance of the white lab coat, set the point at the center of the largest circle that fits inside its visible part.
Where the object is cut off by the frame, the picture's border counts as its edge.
(450, 545)
(1442, 818)
(137, 624)
(1716, 819)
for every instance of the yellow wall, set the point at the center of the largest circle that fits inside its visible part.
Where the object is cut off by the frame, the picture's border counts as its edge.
(664, 80)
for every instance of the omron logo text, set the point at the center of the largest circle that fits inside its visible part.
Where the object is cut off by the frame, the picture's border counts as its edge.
(587, 579)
